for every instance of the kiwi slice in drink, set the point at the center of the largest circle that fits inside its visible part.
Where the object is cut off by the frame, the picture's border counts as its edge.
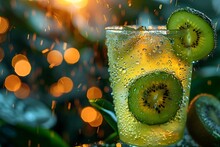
(155, 98)
(198, 38)
(203, 120)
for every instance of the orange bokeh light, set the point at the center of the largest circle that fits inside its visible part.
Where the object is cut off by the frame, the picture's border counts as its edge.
(4, 25)
(98, 121)
(45, 50)
(2, 54)
(71, 55)
(12, 82)
(89, 114)
(23, 91)
(17, 58)
(22, 68)
(54, 58)
(94, 93)
(118, 144)
(65, 84)
(75, 3)
(55, 90)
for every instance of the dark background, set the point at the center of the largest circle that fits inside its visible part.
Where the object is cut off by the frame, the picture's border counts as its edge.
(83, 29)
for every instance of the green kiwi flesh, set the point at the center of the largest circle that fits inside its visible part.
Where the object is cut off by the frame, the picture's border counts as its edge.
(155, 98)
(199, 34)
(203, 120)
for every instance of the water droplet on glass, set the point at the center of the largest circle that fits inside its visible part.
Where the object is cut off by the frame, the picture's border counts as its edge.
(170, 62)
(124, 71)
(144, 49)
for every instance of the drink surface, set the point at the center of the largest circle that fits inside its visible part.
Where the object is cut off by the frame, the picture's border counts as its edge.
(133, 54)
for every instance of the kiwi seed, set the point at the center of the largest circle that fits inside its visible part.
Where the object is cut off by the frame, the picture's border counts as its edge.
(199, 35)
(155, 98)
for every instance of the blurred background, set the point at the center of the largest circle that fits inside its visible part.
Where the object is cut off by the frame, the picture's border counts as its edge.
(53, 61)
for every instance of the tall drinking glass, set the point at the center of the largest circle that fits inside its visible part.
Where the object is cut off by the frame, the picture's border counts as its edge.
(150, 84)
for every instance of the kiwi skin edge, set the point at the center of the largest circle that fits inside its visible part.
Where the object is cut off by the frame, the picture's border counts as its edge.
(195, 127)
(207, 49)
(209, 21)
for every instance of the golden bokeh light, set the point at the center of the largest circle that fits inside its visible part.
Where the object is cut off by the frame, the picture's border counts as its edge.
(12, 82)
(23, 92)
(54, 58)
(55, 90)
(3, 37)
(98, 121)
(65, 84)
(45, 51)
(2, 54)
(74, 3)
(89, 114)
(71, 55)
(94, 93)
(22, 68)
(17, 58)
(4, 25)
(118, 144)
(53, 105)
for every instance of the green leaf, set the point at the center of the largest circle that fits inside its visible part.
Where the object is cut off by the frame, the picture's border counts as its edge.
(21, 135)
(112, 137)
(106, 108)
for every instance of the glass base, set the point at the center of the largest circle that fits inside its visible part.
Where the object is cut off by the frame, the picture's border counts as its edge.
(185, 141)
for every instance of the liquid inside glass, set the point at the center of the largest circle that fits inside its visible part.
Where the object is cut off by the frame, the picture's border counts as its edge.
(135, 52)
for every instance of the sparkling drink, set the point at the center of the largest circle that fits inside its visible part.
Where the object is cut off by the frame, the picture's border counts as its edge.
(134, 54)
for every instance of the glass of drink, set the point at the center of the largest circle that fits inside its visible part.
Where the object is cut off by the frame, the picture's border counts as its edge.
(150, 83)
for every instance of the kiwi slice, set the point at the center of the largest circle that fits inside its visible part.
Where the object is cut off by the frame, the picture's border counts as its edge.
(203, 120)
(198, 39)
(155, 98)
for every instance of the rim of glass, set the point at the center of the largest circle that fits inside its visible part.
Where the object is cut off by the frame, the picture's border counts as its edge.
(138, 28)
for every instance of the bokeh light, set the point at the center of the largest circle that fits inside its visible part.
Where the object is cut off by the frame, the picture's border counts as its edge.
(17, 58)
(54, 51)
(54, 58)
(55, 90)
(98, 121)
(12, 82)
(65, 84)
(4, 25)
(118, 144)
(89, 114)
(71, 55)
(94, 93)
(45, 50)
(3, 37)
(62, 86)
(23, 91)
(22, 68)
(74, 3)
(2, 54)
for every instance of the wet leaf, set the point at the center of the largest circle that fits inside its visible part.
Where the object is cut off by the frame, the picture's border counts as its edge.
(112, 137)
(106, 108)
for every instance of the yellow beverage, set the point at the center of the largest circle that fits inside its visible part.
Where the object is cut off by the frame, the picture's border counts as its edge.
(133, 53)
